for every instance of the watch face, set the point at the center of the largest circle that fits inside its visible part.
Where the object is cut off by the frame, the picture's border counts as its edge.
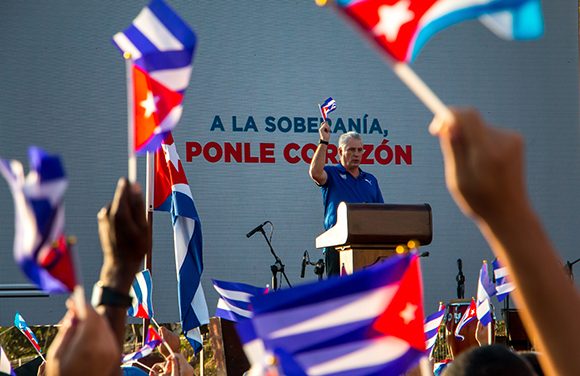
(103, 295)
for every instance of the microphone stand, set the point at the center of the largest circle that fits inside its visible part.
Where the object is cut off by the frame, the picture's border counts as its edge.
(569, 267)
(277, 267)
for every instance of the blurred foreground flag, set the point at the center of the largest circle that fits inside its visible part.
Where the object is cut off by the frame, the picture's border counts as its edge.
(160, 45)
(370, 322)
(402, 27)
(502, 284)
(432, 324)
(234, 301)
(25, 329)
(5, 368)
(172, 194)
(142, 294)
(39, 243)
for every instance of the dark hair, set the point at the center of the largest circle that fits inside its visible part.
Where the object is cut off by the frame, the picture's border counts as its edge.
(495, 360)
(532, 358)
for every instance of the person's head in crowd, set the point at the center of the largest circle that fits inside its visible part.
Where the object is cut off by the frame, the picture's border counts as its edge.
(532, 358)
(495, 360)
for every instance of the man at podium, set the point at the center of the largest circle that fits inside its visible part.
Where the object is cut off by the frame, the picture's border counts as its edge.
(343, 182)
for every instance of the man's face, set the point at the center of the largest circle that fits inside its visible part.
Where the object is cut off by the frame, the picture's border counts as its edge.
(351, 154)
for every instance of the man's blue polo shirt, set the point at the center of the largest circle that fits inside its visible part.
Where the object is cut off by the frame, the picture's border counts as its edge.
(342, 186)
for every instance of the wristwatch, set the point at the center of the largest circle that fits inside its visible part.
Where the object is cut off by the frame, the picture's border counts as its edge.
(103, 295)
(322, 142)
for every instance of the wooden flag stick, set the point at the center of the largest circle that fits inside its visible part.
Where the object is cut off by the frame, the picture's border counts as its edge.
(132, 159)
(162, 339)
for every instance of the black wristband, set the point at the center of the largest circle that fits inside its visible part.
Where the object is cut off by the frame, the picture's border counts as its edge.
(322, 142)
(103, 295)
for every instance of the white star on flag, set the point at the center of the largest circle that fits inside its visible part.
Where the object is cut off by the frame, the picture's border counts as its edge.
(149, 104)
(408, 314)
(170, 153)
(391, 18)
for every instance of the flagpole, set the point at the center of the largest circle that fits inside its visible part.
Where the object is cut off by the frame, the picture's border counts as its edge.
(149, 191)
(132, 159)
(162, 339)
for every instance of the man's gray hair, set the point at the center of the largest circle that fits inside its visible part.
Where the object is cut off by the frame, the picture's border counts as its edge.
(346, 137)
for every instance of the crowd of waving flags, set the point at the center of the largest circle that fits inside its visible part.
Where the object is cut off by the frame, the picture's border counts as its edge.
(368, 322)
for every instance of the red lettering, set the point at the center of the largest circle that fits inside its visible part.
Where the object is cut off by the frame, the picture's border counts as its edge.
(248, 158)
(287, 149)
(267, 153)
(192, 149)
(304, 153)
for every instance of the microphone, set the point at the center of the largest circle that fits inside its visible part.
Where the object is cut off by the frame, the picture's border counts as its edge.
(258, 228)
(303, 264)
(424, 254)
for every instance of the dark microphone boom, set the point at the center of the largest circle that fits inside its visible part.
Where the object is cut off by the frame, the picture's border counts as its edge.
(259, 228)
(303, 264)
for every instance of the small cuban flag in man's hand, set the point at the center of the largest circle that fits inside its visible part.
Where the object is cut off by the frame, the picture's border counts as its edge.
(327, 107)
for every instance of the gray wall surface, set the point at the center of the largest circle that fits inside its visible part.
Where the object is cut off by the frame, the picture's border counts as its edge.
(62, 87)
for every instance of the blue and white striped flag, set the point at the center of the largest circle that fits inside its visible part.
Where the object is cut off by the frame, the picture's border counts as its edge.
(370, 322)
(142, 294)
(432, 324)
(234, 302)
(5, 367)
(327, 107)
(502, 284)
(485, 290)
(172, 194)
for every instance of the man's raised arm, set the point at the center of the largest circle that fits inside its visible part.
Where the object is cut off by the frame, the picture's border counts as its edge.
(316, 171)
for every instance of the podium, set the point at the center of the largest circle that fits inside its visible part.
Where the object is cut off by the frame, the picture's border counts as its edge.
(365, 234)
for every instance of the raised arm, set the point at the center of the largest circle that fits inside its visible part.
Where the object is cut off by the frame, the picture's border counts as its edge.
(125, 239)
(484, 171)
(316, 171)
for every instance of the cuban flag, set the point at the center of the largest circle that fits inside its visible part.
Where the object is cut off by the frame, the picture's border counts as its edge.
(5, 367)
(502, 284)
(466, 318)
(172, 194)
(369, 322)
(402, 27)
(327, 107)
(25, 329)
(152, 340)
(234, 301)
(141, 292)
(39, 242)
(431, 328)
(485, 290)
(161, 46)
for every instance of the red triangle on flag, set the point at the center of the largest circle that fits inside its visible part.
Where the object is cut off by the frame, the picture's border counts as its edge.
(403, 318)
(152, 102)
